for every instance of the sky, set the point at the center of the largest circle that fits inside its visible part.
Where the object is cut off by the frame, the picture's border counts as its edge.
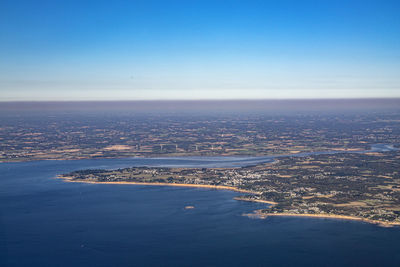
(161, 50)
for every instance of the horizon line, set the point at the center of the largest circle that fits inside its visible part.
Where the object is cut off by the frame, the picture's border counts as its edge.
(204, 100)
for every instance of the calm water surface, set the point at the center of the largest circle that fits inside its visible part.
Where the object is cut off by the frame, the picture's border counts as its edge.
(47, 222)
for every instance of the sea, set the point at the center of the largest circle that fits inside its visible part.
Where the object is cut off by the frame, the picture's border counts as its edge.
(45, 221)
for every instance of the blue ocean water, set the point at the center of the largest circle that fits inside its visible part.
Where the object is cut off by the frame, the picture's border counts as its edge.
(47, 222)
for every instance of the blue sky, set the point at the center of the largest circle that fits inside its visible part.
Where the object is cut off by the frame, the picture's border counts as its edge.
(132, 50)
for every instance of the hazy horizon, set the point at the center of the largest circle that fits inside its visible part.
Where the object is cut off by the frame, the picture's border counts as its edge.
(273, 105)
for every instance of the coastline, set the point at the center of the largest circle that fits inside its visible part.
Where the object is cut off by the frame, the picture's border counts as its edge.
(261, 215)
(218, 187)
(255, 200)
(256, 214)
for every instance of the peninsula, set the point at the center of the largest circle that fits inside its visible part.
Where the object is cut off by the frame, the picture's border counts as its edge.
(356, 186)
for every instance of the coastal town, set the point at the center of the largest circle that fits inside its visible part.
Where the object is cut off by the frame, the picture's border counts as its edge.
(360, 186)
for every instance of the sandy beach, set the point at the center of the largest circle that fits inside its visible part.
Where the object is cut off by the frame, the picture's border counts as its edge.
(219, 187)
(261, 215)
(255, 200)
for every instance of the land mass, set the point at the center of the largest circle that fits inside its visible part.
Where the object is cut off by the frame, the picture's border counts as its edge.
(87, 136)
(356, 186)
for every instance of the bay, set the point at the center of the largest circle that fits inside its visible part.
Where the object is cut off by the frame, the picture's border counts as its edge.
(47, 222)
